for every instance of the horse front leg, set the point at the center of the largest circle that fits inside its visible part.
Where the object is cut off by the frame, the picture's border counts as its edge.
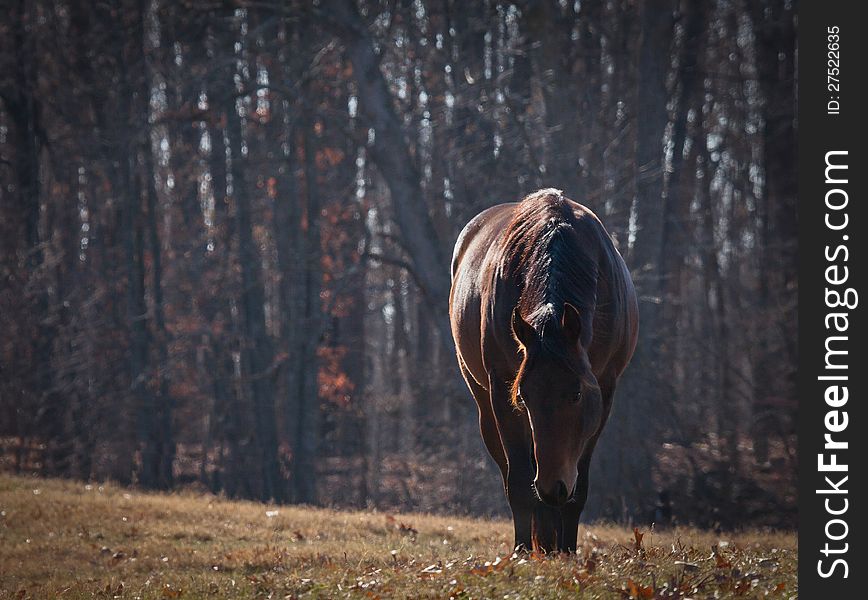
(521, 500)
(538, 526)
(547, 527)
(515, 469)
(572, 510)
(514, 433)
(571, 513)
(487, 421)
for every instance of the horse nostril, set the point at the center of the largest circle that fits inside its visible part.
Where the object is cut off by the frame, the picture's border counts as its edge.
(557, 495)
(561, 492)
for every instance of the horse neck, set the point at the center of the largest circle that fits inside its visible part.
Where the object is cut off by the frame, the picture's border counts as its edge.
(561, 272)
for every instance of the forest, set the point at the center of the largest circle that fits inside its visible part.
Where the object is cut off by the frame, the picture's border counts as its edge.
(226, 230)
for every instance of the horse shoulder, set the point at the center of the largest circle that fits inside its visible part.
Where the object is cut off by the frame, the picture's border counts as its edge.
(470, 261)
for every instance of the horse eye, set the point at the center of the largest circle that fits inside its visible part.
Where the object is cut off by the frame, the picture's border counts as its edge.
(578, 397)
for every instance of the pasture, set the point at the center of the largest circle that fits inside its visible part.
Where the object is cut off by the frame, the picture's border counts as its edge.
(61, 539)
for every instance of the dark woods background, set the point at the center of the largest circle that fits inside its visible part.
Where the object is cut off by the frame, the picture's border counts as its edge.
(226, 231)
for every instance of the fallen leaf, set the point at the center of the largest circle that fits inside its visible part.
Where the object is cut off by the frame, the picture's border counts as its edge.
(408, 530)
(720, 560)
(431, 571)
(170, 592)
(688, 566)
(639, 591)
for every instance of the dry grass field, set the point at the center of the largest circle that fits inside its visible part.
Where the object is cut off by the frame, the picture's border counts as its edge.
(62, 539)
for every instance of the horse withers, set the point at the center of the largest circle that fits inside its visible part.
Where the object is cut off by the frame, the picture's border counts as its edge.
(545, 318)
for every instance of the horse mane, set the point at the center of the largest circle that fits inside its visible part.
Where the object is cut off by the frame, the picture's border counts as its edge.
(544, 254)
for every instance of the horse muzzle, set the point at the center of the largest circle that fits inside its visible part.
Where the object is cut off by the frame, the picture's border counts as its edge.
(555, 495)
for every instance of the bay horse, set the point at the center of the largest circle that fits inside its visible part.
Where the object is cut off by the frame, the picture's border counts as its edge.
(545, 319)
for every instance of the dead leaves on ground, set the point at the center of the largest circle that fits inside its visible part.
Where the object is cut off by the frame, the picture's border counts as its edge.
(637, 539)
(647, 570)
(495, 566)
(431, 571)
(471, 567)
(720, 561)
(239, 550)
(168, 591)
(402, 527)
(732, 571)
(636, 590)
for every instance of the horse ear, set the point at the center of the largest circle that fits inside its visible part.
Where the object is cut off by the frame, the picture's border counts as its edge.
(572, 323)
(521, 329)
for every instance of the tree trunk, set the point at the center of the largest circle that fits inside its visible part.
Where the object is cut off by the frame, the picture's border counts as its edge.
(774, 29)
(257, 350)
(637, 408)
(163, 402)
(127, 138)
(551, 45)
(307, 422)
(391, 154)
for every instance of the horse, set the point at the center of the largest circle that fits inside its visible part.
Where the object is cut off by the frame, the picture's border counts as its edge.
(545, 319)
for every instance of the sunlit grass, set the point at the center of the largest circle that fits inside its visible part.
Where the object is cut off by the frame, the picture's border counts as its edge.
(71, 540)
